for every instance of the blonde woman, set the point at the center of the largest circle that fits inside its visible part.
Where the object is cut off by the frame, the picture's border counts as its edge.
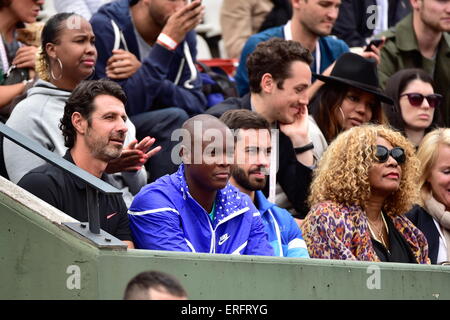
(364, 183)
(433, 219)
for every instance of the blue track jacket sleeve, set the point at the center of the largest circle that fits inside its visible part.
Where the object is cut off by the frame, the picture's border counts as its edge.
(258, 243)
(155, 223)
(149, 88)
(296, 245)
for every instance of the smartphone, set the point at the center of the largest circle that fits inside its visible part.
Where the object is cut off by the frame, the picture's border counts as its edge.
(375, 42)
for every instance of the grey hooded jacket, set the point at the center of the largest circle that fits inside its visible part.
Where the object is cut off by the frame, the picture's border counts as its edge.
(38, 117)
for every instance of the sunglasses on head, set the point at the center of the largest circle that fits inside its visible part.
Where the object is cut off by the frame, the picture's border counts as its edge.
(397, 153)
(416, 99)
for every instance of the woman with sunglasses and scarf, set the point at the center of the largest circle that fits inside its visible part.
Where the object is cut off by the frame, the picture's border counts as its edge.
(364, 183)
(416, 106)
(433, 219)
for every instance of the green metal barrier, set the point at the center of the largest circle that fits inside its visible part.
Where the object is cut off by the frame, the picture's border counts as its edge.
(41, 259)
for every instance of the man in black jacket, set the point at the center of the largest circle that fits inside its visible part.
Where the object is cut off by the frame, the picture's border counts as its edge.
(280, 75)
(356, 21)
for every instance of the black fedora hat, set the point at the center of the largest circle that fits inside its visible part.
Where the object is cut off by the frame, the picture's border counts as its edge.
(356, 71)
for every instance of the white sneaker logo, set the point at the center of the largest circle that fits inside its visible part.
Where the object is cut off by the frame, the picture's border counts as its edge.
(223, 238)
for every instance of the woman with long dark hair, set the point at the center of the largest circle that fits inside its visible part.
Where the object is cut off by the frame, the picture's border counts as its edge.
(415, 111)
(350, 97)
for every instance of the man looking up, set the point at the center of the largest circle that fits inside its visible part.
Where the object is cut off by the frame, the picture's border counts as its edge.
(248, 173)
(93, 126)
(196, 209)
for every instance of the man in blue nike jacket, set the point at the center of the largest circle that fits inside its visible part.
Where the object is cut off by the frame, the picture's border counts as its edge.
(196, 209)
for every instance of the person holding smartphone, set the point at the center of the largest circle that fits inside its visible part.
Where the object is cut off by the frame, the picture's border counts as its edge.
(360, 20)
(164, 88)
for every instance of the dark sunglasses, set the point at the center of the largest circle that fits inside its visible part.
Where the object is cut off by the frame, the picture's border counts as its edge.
(416, 99)
(397, 153)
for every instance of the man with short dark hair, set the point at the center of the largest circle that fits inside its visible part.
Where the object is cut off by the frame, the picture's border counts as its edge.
(196, 209)
(94, 130)
(421, 40)
(154, 285)
(165, 89)
(248, 173)
(279, 80)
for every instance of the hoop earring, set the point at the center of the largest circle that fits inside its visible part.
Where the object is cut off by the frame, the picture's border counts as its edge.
(61, 67)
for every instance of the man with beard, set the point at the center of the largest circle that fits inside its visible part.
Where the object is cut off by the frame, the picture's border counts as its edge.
(93, 126)
(196, 209)
(160, 78)
(421, 40)
(248, 174)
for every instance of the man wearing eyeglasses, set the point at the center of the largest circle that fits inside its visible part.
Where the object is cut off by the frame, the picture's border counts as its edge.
(421, 40)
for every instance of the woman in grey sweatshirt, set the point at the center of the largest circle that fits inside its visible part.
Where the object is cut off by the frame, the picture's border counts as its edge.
(68, 58)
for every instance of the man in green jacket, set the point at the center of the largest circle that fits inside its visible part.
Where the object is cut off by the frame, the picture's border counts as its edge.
(421, 40)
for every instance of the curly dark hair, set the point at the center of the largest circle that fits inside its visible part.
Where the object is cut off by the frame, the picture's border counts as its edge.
(274, 56)
(81, 100)
(342, 175)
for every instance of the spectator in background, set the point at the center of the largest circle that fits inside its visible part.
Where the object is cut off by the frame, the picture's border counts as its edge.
(311, 24)
(280, 14)
(85, 8)
(196, 209)
(350, 97)
(17, 61)
(248, 174)
(166, 88)
(364, 184)
(279, 79)
(94, 130)
(421, 40)
(239, 20)
(416, 107)
(67, 57)
(433, 219)
(249, 17)
(358, 21)
(154, 285)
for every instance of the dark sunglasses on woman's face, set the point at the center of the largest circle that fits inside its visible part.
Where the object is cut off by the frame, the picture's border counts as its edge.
(416, 99)
(397, 153)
